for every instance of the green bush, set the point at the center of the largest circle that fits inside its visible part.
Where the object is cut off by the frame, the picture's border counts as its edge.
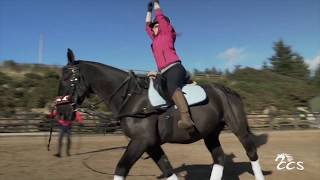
(4, 79)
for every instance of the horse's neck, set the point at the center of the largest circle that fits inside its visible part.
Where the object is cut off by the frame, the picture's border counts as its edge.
(104, 81)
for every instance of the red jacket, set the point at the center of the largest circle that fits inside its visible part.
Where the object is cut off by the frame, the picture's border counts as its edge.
(65, 123)
(162, 46)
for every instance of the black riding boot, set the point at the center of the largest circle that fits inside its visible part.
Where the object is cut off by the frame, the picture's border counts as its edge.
(185, 122)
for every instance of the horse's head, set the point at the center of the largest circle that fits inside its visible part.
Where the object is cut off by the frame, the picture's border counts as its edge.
(72, 88)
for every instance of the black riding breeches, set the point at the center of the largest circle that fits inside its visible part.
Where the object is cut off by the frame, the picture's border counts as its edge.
(175, 77)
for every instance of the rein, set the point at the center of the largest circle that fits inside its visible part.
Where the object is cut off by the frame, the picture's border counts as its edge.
(127, 94)
(120, 87)
(124, 83)
(93, 106)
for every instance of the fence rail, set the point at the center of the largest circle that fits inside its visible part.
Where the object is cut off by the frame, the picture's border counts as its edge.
(284, 121)
(21, 123)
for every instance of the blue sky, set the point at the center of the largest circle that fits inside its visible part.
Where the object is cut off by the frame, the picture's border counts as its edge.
(219, 33)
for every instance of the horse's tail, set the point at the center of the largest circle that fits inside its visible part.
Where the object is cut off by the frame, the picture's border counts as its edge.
(234, 112)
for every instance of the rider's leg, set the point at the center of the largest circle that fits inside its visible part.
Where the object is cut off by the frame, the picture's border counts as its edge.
(213, 144)
(180, 101)
(175, 79)
(160, 158)
(133, 152)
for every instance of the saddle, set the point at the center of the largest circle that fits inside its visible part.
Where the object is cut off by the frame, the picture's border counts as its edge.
(157, 92)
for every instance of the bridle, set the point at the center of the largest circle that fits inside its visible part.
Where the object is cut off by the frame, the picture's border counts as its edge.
(70, 99)
(75, 81)
(124, 88)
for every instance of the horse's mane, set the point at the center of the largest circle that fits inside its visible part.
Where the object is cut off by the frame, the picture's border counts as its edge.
(226, 90)
(100, 65)
(141, 80)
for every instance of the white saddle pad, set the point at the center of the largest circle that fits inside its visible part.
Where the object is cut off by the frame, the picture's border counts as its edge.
(193, 93)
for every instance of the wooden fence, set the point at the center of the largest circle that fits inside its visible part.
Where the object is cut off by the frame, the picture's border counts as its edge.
(284, 121)
(21, 123)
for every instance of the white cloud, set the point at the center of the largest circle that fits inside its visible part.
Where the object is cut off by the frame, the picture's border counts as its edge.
(232, 56)
(313, 63)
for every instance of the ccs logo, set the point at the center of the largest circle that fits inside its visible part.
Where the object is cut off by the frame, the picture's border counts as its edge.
(287, 162)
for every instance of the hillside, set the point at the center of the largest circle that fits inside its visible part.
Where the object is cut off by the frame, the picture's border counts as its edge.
(262, 88)
(265, 88)
(25, 87)
(30, 88)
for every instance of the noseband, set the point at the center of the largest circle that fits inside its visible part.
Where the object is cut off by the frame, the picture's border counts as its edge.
(73, 82)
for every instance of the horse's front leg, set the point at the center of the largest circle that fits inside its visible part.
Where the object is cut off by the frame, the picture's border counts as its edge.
(160, 158)
(133, 152)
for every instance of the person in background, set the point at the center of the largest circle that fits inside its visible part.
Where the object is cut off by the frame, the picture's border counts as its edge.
(65, 128)
(169, 64)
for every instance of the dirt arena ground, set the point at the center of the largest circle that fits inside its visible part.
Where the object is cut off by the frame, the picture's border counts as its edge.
(95, 157)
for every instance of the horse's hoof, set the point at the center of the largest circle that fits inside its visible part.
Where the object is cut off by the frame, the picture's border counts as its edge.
(57, 155)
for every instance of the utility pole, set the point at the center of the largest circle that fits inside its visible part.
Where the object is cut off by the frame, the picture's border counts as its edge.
(41, 49)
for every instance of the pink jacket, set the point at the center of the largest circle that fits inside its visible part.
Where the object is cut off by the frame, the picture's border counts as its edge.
(163, 44)
(65, 123)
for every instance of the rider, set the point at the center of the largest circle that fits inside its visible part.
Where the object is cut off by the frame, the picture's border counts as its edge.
(169, 64)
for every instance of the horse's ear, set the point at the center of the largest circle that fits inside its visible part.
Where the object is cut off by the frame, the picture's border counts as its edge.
(71, 57)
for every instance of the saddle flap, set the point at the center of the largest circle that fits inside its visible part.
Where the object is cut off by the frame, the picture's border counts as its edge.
(194, 94)
(154, 96)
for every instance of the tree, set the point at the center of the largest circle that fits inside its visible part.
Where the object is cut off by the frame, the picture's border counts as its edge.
(212, 70)
(196, 71)
(227, 72)
(237, 68)
(316, 77)
(9, 64)
(287, 62)
(265, 66)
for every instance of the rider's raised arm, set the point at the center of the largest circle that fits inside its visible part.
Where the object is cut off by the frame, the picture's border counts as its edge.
(149, 19)
(164, 23)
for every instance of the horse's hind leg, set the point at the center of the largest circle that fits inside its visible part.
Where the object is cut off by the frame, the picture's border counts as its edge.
(213, 144)
(160, 158)
(236, 120)
(244, 135)
(247, 142)
(246, 138)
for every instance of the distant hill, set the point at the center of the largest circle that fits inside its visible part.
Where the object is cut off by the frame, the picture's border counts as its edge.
(14, 69)
(29, 87)
(25, 87)
(262, 88)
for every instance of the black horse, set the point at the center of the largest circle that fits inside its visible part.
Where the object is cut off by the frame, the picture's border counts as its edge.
(148, 129)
